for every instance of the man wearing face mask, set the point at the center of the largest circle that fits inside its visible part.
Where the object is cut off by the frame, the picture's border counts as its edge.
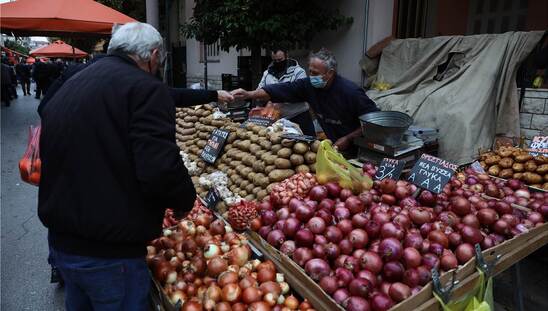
(336, 101)
(110, 168)
(282, 70)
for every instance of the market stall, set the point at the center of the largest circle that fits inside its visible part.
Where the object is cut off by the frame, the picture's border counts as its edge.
(339, 240)
(58, 48)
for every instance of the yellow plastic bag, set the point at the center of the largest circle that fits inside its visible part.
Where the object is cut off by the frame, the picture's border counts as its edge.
(332, 166)
(480, 298)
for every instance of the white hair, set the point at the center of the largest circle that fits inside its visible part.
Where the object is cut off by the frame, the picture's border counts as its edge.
(327, 57)
(138, 39)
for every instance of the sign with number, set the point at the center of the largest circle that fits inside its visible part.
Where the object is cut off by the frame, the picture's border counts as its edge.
(476, 166)
(262, 121)
(214, 145)
(301, 137)
(389, 168)
(432, 173)
(539, 146)
(212, 198)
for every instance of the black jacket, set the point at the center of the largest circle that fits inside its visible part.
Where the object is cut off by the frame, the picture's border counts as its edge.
(110, 165)
(22, 71)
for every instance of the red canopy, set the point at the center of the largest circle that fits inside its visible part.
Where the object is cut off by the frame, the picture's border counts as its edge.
(50, 17)
(58, 49)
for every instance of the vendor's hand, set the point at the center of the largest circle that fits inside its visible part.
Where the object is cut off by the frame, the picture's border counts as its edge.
(224, 97)
(343, 143)
(240, 94)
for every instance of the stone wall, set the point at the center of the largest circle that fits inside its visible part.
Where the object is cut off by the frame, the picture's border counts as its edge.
(534, 114)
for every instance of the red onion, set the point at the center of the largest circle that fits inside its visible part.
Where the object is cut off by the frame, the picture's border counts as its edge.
(471, 235)
(317, 268)
(399, 292)
(381, 218)
(381, 302)
(302, 255)
(356, 303)
(391, 230)
(279, 225)
(359, 238)
(368, 275)
(325, 214)
(288, 247)
(294, 203)
(360, 287)
(352, 263)
(411, 257)
(304, 212)
(402, 220)
(276, 238)
(304, 238)
(318, 251)
(401, 192)
(388, 199)
(358, 253)
(282, 213)
(424, 275)
(535, 217)
(354, 205)
(439, 237)
(333, 189)
(341, 295)
(345, 194)
(265, 206)
(372, 228)
(329, 284)
(388, 186)
(371, 261)
(390, 249)
(341, 213)
(344, 276)
(487, 243)
(359, 220)
(318, 193)
(460, 205)
(392, 271)
(420, 215)
(411, 277)
(346, 247)
(487, 216)
(268, 217)
(431, 261)
(327, 203)
(316, 225)
(366, 198)
(514, 184)
(464, 252)
(501, 227)
(345, 226)
(291, 226)
(427, 198)
(333, 234)
(522, 193)
(339, 262)
(320, 239)
(413, 240)
(455, 239)
(264, 231)
(409, 202)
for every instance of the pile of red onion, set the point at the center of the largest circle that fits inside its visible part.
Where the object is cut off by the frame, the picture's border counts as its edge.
(373, 250)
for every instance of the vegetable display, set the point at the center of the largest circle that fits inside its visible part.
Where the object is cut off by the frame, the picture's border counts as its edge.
(254, 158)
(511, 162)
(203, 265)
(373, 250)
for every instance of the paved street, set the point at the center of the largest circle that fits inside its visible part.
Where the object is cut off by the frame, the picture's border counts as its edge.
(25, 272)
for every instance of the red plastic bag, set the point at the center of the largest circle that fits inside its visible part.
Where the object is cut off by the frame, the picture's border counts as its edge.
(30, 164)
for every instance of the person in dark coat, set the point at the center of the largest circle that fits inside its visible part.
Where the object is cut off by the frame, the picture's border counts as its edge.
(13, 78)
(110, 168)
(6, 82)
(40, 76)
(23, 74)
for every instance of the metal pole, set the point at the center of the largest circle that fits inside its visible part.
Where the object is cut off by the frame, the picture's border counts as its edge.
(152, 12)
(205, 65)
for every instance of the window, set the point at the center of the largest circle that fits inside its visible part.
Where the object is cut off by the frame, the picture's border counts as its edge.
(213, 52)
(496, 16)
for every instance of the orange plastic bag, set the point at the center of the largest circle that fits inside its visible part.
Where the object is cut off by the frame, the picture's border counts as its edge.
(30, 164)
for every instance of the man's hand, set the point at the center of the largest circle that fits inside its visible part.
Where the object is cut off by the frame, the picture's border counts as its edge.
(224, 97)
(343, 143)
(240, 94)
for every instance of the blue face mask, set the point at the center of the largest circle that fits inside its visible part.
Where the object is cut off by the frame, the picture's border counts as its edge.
(317, 82)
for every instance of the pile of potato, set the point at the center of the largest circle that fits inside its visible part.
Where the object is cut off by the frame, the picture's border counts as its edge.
(253, 158)
(512, 162)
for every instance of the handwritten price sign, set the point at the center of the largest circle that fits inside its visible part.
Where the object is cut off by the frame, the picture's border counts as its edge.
(539, 146)
(389, 168)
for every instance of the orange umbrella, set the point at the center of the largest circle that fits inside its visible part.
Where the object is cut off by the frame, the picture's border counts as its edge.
(54, 17)
(31, 60)
(58, 49)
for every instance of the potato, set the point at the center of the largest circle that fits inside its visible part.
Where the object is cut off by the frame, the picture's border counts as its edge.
(483, 165)
(265, 144)
(269, 187)
(310, 157)
(523, 157)
(312, 168)
(258, 166)
(542, 169)
(300, 148)
(284, 153)
(242, 193)
(249, 188)
(545, 177)
(518, 167)
(296, 159)
(263, 132)
(275, 148)
(259, 153)
(256, 190)
(540, 159)
(506, 173)
(250, 197)
(517, 175)
(545, 186)
(270, 160)
(532, 178)
(269, 169)
(249, 160)
(241, 133)
(275, 138)
(504, 152)
(530, 166)
(494, 170)
(254, 148)
(282, 163)
(287, 143)
(232, 188)
(244, 145)
(302, 169)
(492, 160)
(279, 175)
(261, 195)
(244, 183)
(315, 146)
(231, 138)
(246, 171)
(506, 162)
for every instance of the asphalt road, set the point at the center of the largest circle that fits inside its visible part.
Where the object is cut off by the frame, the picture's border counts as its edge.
(24, 270)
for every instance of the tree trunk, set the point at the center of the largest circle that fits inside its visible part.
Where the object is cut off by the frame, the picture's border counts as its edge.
(256, 66)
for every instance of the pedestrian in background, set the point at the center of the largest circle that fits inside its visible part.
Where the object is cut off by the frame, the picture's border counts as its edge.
(5, 82)
(40, 76)
(22, 71)
(102, 208)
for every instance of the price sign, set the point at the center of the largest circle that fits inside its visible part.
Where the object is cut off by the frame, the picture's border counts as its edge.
(305, 138)
(262, 121)
(431, 173)
(212, 198)
(214, 145)
(539, 146)
(476, 166)
(389, 168)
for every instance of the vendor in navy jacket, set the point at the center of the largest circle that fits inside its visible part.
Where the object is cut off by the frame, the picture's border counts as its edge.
(336, 101)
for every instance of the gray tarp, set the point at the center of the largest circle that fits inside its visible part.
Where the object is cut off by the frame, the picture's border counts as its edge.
(476, 97)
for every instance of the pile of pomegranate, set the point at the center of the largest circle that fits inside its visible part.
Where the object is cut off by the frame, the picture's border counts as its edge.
(205, 266)
(372, 250)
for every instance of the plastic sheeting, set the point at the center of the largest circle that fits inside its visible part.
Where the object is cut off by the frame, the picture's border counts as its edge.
(465, 86)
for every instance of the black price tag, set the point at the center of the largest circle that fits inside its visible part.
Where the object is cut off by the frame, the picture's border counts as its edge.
(539, 146)
(299, 137)
(389, 168)
(214, 145)
(262, 121)
(431, 173)
(212, 198)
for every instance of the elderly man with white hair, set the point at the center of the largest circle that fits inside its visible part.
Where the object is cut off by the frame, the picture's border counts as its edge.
(110, 168)
(336, 101)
